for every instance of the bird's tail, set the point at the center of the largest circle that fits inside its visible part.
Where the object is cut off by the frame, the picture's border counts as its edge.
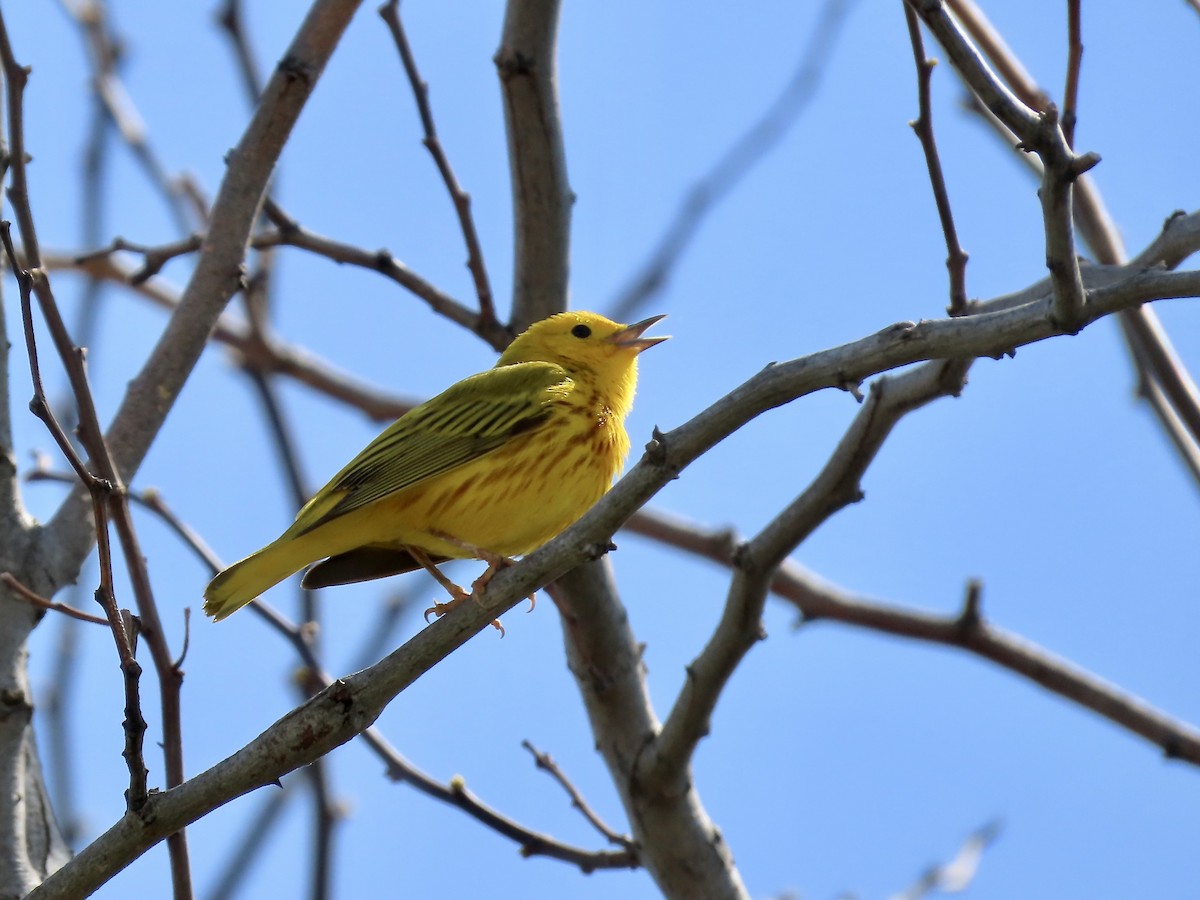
(237, 585)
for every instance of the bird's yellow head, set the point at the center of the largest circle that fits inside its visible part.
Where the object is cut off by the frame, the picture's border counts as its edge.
(595, 350)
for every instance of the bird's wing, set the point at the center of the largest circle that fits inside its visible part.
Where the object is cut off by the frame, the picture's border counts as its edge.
(474, 417)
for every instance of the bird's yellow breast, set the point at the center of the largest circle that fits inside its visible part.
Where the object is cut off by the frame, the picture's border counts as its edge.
(510, 501)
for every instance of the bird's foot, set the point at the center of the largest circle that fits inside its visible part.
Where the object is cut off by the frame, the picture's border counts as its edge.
(495, 562)
(457, 596)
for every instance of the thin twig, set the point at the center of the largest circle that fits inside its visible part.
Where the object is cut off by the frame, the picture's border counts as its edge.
(956, 259)
(11, 582)
(532, 843)
(292, 234)
(390, 12)
(167, 668)
(106, 494)
(1074, 60)
(134, 723)
(153, 258)
(548, 765)
(104, 54)
(668, 759)
(542, 198)
(326, 813)
(818, 600)
(353, 703)
(1151, 391)
(1039, 132)
(1154, 357)
(230, 18)
(273, 356)
(109, 503)
(399, 769)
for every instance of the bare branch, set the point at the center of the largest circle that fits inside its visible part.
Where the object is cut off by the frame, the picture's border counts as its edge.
(956, 259)
(1039, 132)
(271, 355)
(11, 582)
(547, 764)
(665, 764)
(1074, 60)
(680, 846)
(154, 258)
(96, 487)
(1178, 740)
(542, 197)
(291, 234)
(326, 812)
(1189, 451)
(114, 100)
(217, 275)
(1153, 354)
(686, 856)
(349, 706)
(1158, 362)
(399, 769)
(390, 12)
(108, 501)
(532, 843)
(817, 599)
(230, 18)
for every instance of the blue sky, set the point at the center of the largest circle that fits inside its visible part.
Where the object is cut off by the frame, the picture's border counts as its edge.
(839, 760)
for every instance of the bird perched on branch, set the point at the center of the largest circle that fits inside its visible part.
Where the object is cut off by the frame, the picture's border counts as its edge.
(491, 468)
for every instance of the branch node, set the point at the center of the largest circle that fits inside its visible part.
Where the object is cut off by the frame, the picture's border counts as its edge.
(384, 261)
(295, 69)
(1084, 162)
(899, 330)
(598, 549)
(742, 557)
(656, 449)
(853, 388)
(971, 616)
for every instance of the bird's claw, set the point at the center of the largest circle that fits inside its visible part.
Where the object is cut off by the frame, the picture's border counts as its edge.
(457, 596)
(440, 609)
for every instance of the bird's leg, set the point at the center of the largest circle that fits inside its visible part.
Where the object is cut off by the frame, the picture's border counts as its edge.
(457, 594)
(495, 562)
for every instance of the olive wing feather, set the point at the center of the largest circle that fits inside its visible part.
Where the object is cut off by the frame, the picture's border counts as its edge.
(469, 420)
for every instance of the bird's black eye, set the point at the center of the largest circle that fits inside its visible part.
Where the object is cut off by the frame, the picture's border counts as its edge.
(581, 331)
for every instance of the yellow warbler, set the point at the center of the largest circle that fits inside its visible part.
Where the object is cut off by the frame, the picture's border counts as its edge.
(491, 468)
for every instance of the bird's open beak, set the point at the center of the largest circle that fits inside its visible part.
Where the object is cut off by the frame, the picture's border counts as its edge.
(631, 335)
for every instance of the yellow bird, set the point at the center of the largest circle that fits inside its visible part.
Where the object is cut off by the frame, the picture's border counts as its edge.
(491, 468)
